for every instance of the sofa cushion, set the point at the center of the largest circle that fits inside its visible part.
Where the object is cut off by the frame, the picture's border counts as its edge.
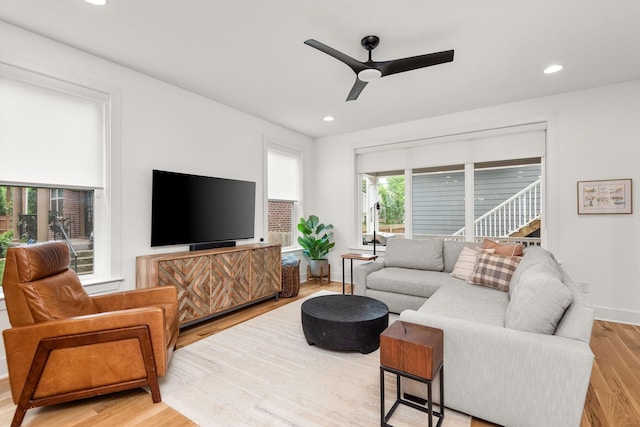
(467, 302)
(511, 249)
(467, 262)
(494, 271)
(422, 254)
(542, 269)
(534, 256)
(421, 283)
(452, 249)
(537, 303)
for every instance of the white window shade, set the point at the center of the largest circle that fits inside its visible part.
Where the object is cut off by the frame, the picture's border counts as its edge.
(516, 142)
(284, 176)
(50, 137)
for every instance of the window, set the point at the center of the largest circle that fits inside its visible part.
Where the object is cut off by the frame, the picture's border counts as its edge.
(464, 187)
(57, 200)
(438, 202)
(507, 199)
(284, 173)
(54, 136)
(383, 203)
(31, 215)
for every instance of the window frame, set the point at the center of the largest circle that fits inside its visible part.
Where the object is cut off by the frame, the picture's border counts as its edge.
(107, 273)
(451, 150)
(297, 205)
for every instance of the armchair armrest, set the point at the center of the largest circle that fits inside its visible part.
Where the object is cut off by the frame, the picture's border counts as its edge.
(508, 376)
(163, 295)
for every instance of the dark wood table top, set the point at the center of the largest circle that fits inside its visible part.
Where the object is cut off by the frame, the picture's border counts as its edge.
(345, 308)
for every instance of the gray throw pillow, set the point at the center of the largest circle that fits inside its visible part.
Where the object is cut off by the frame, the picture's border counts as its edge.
(537, 303)
(533, 255)
(542, 268)
(422, 254)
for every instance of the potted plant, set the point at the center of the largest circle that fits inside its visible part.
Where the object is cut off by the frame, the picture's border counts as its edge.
(316, 243)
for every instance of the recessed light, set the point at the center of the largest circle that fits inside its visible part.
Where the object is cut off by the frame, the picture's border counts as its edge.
(553, 69)
(97, 2)
(328, 119)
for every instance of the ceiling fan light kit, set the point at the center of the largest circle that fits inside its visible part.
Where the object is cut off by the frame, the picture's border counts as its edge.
(373, 70)
(369, 75)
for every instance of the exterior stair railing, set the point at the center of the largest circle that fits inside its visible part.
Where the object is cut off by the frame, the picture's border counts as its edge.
(74, 253)
(509, 216)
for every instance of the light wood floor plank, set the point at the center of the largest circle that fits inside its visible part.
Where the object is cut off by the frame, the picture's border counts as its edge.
(613, 382)
(593, 415)
(613, 398)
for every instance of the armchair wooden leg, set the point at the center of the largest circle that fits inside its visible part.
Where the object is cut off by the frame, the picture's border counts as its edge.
(47, 345)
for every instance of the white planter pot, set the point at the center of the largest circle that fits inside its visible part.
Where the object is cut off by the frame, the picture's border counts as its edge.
(316, 264)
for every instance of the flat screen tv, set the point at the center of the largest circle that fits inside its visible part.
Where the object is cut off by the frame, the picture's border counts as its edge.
(198, 210)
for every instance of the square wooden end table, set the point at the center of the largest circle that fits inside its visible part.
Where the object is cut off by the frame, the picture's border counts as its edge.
(352, 256)
(416, 352)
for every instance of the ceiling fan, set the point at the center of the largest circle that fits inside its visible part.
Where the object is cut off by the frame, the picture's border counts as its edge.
(371, 70)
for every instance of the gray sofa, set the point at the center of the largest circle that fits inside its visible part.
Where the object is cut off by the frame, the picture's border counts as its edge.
(516, 358)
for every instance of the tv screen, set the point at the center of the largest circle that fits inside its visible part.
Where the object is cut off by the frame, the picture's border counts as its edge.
(192, 209)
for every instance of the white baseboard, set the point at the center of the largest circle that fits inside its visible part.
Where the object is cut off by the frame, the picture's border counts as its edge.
(616, 315)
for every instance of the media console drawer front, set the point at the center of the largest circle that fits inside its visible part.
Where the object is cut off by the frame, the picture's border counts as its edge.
(191, 277)
(216, 280)
(266, 271)
(230, 280)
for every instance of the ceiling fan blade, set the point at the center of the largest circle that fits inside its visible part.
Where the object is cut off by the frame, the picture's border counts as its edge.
(354, 64)
(415, 62)
(356, 89)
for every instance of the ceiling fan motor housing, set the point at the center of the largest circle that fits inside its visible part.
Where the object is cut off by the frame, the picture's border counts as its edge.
(370, 42)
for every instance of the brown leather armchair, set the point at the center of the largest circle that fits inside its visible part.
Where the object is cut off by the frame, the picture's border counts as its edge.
(64, 345)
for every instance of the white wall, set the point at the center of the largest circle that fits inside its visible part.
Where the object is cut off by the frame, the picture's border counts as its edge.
(593, 134)
(160, 126)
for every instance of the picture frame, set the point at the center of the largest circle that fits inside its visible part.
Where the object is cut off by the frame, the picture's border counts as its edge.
(611, 196)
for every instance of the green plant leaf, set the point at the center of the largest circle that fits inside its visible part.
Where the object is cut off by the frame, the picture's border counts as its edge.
(316, 237)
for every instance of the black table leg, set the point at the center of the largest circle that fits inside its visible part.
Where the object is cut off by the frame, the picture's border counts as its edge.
(351, 276)
(343, 276)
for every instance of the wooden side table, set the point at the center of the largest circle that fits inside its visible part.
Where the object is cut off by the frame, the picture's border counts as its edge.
(352, 256)
(416, 352)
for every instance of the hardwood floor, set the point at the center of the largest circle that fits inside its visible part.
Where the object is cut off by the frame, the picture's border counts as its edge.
(613, 398)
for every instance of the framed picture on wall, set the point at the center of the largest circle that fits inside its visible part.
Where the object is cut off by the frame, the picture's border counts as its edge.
(611, 196)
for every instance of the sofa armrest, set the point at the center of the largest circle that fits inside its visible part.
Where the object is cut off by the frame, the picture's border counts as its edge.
(511, 377)
(360, 273)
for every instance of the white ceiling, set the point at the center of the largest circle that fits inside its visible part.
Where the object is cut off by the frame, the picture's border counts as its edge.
(249, 54)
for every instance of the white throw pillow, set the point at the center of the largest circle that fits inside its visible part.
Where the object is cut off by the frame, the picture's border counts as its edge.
(467, 261)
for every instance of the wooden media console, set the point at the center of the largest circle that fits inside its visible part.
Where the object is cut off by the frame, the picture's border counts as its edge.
(214, 281)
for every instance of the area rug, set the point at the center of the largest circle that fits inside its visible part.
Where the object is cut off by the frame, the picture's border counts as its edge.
(263, 373)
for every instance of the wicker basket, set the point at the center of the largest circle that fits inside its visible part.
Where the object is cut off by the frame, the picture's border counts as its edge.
(290, 280)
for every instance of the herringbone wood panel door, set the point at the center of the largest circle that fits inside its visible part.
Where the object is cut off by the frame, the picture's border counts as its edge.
(266, 271)
(191, 277)
(230, 277)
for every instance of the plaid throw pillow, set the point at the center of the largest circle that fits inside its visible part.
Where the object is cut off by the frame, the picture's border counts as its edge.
(494, 271)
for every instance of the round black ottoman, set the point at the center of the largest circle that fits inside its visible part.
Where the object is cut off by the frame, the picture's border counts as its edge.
(344, 322)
